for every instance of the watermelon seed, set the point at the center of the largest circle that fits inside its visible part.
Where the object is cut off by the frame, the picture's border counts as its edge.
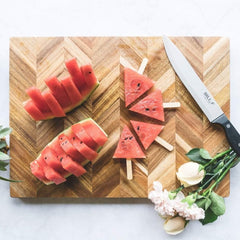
(138, 128)
(61, 138)
(131, 137)
(45, 158)
(73, 138)
(147, 109)
(126, 138)
(61, 159)
(89, 72)
(81, 142)
(139, 84)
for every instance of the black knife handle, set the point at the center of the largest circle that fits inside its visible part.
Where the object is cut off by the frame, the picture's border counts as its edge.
(232, 134)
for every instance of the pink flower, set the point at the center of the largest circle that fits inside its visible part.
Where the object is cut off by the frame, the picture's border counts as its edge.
(167, 207)
(163, 205)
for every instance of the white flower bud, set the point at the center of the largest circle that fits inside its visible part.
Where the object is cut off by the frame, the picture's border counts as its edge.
(188, 174)
(175, 225)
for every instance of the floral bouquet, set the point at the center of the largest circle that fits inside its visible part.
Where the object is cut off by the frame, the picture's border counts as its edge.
(202, 204)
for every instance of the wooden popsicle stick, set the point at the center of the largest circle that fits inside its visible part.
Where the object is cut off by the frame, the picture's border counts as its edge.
(172, 105)
(129, 169)
(165, 144)
(143, 66)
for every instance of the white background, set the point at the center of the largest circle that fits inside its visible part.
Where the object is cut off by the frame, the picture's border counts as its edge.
(113, 219)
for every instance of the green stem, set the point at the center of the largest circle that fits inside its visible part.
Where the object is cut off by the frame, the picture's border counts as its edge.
(228, 165)
(216, 157)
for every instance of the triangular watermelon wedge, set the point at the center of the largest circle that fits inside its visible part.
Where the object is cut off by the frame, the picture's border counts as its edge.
(146, 132)
(128, 146)
(135, 85)
(151, 106)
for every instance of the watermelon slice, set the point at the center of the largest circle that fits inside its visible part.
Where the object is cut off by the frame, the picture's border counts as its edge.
(51, 158)
(146, 132)
(128, 146)
(71, 166)
(89, 78)
(53, 104)
(38, 172)
(33, 111)
(94, 131)
(50, 173)
(80, 132)
(151, 106)
(135, 85)
(85, 151)
(72, 91)
(69, 149)
(58, 91)
(77, 76)
(37, 97)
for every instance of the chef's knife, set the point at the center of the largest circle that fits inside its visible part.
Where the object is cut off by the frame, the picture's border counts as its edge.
(200, 93)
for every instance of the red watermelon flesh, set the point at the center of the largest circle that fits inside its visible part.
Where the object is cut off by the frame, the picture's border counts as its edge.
(50, 157)
(69, 149)
(151, 106)
(94, 131)
(85, 151)
(72, 91)
(37, 171)
(128, 146)
(89, 76)
(50, 173)
(33, 111)
(53, 104)
(146, 132)
(37, 97)
(58, 91)
(135, 85)
(77, 77)
(71, 166)
(80, 132)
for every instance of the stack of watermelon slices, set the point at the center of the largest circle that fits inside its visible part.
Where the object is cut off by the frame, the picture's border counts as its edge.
(68, 152)
(61, 96)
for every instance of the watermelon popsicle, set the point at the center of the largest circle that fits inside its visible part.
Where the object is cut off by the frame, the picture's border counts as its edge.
(148, 133)
(128, 148)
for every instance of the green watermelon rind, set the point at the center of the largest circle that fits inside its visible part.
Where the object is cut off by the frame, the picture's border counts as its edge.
(64, 131)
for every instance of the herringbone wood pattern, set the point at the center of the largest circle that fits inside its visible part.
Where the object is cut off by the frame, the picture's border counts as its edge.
(34, 59)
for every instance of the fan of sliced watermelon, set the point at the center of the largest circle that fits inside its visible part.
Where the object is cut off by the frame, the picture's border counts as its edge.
(61, 96)
(68, 152)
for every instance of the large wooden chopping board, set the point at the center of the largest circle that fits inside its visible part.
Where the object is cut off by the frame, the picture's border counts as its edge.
(34, 59)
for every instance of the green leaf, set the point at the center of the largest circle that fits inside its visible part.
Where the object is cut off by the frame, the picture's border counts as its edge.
(3, 165)
(194, 155)
(210, 217)
(201, 203)
(204, 154)
(4, 132)
(4, 156)
(9, 180)
(3, 144)
(204, 203)
(207, 203)
(218, 204)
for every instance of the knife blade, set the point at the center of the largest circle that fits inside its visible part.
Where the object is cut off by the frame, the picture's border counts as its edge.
(200, 93)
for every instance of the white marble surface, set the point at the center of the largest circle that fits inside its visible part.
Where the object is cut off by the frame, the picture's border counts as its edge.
(118, 220)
